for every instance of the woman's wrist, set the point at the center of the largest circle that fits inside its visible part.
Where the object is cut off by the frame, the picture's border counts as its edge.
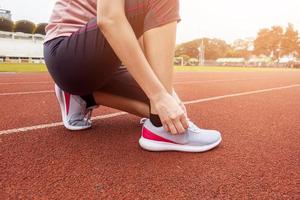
(174, 94)
(158, 95)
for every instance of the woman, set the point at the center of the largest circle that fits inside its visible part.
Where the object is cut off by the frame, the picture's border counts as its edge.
(86, 42)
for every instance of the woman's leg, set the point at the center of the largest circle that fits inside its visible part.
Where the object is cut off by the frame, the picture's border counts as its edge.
(123, 93)
(135, 102)
(131, 106)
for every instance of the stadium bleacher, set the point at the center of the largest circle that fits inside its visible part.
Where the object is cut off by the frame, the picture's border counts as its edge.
(21, 41)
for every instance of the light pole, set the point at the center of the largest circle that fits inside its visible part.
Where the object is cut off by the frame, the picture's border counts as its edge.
(201, 50)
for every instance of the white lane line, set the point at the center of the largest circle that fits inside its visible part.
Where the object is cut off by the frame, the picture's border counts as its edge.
(56, 124)
(176, 83)
(44, 126)
(26, 93)
(23, 83)
(217, 81)
(240, 94)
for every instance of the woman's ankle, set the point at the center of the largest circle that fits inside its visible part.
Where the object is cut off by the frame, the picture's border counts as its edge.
(155, 120)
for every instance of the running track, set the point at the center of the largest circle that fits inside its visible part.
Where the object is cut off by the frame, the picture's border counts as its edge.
(258, 114)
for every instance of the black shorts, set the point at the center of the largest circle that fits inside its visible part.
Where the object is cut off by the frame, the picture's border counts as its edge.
(85, 62)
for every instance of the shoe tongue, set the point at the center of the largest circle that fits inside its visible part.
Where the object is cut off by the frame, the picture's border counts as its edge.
(191, 124)
(193, 127)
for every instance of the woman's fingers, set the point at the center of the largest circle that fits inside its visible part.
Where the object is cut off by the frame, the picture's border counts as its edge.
(179, 126)
(175, 126)
(166, 127)
(172, 128)
(184, 122)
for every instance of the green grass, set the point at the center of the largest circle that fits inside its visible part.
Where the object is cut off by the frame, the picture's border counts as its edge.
(226, 68)
(22, 67)
(27, 67)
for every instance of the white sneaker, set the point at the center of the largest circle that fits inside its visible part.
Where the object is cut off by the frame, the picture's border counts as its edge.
(194, 140)
(75, 115)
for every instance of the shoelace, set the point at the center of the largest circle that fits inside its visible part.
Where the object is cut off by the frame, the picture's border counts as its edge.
(88, 114)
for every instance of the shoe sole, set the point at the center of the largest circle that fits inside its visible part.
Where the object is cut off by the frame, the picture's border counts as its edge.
(62, 104)
(151, 145)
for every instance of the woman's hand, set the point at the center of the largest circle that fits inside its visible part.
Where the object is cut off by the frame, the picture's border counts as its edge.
(181, 104)
(171, 114)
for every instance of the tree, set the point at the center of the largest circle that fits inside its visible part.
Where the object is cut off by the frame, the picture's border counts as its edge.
(261, 43)
(241, 48)
(243, 53)
(290, 42)
(189, 48)
(242, 44)
(276, 42)
(214, 48)
(298, 50)
(268, 42)
(185, 57)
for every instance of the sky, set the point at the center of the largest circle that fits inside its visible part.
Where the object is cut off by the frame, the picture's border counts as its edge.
(224, 19)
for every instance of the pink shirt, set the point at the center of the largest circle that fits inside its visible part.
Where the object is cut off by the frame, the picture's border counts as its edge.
(68, 16)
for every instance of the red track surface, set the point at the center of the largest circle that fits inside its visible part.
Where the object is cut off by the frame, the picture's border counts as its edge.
(259, 157)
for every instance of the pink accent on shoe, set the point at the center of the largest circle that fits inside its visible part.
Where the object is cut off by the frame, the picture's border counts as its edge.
(67, 98)
(147, 134)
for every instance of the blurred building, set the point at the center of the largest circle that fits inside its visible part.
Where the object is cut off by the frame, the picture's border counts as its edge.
(20, 41)
(5, 14)
(231, 61)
